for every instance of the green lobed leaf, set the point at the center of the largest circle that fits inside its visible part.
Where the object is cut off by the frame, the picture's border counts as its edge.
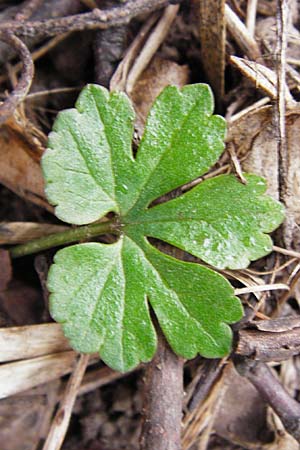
(221, 221)
(102, 294)
(192, 303)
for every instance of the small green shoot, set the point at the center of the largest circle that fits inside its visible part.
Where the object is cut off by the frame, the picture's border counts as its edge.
(102, 293)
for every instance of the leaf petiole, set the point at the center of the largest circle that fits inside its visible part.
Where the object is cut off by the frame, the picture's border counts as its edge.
(66, 237)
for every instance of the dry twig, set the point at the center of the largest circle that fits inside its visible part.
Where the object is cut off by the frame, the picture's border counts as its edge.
(163, 400)
(271, 390)
(27, 9)
(19, 93)
(96, 19)
(62, 418)
(251, 16)
(241, 35)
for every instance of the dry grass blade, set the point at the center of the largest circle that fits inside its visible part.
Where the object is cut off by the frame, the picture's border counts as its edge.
(199, 422)
(262, 77)
(154, 41)
(31, 341)
(251, 16)
(263, 288)
(213, 38)
(286, 252)
(241, 35)
(119, 78)
(61, 421)
(254, 107)
(19, 376)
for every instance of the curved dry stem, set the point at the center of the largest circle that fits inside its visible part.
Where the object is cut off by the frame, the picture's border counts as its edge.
(19, 93)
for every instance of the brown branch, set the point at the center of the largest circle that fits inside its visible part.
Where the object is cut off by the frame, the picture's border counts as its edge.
(96, 19)
(53, 8)
(268, 346)
(27, 9)
(271, 390)
(19, 93)
(163, 400)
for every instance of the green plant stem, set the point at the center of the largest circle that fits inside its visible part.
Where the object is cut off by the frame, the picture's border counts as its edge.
(65, 237)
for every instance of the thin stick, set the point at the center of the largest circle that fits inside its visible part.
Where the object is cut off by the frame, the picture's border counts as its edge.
(262, 102)
(62, 418)
(96, 19)
(286, 252)
(163, 400)
(61, 90)
(280, 103)
(273, 393)
(264, 287)
(19, 93)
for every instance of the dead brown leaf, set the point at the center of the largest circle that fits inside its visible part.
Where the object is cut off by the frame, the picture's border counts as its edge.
(253, 136)
(159, 74)
(20, 170)
(242, 422)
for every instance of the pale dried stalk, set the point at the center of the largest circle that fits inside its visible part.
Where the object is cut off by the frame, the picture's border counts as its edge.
(255, 106)
(20, 232)
(286, 252)
(154, 41)
(265, 287)
(31, 341)
(262, 77)
(236, 163)
(241, 35)
(282, 12)
(22, 375)
(61, 421)
(251, 16)
(119, 78)
(201, 418)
